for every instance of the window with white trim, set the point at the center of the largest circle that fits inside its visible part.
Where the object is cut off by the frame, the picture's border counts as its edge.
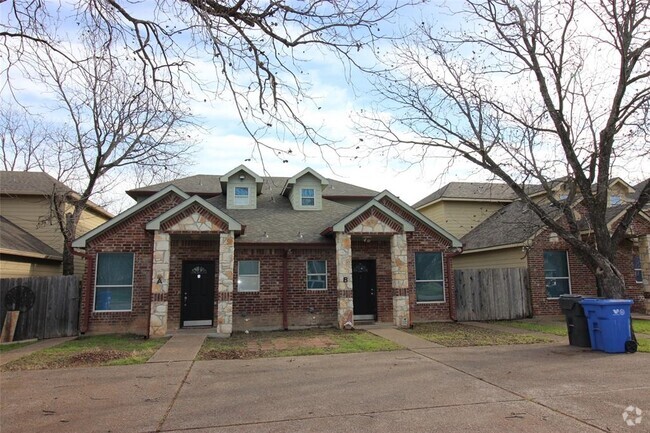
(429, 277)
(556, 274)
(241, 196)
(114, 282)
(317, 274)
(248, 276)
(307, 197)
(638, 270)
(615, 200)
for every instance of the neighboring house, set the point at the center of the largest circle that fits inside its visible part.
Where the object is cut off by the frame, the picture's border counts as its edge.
(31, 243)
(499, 231)
(244, 252)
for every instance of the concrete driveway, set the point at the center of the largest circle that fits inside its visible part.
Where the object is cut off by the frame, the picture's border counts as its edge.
(537, 388)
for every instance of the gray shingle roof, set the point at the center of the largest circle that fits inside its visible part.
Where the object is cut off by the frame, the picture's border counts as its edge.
(38, 183)
(15, 238)
(470, 191)
(209, 185)
(275, 221)
(30, 183)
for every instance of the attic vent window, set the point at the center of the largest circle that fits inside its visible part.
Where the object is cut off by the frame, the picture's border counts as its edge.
(615, 200)
(241, 196)
(307, 197)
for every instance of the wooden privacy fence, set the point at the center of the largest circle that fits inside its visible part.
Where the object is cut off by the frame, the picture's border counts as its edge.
(55, 310)
(492, 294)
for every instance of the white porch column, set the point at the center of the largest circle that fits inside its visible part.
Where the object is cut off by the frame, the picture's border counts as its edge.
(644, 256)
(226, 285)
(159, 284)
(344, 280)
(400, 279)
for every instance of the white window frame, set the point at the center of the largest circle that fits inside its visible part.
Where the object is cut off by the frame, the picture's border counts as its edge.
(308, 274)
(239, 199)
(257, 276)
(568, 272)
(302, 197)
(113, 285)
(639, 269)
(615, 200)
(444, 286)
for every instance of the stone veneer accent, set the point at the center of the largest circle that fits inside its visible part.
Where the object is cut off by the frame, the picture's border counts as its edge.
(193, 223)
(399, 272)
(372, 224)
(160, 272)
(644, 256)
(226, 268)
(344, 280)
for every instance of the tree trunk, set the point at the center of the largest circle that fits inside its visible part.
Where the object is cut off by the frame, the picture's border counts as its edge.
(610, 281)
(68, 236)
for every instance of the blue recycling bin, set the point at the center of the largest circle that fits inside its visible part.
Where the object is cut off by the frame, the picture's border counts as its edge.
(609, 323)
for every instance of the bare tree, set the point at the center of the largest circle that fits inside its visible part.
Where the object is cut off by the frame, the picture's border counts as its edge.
(110, 122)
(531, 91)
(22, 141)
(257, 49)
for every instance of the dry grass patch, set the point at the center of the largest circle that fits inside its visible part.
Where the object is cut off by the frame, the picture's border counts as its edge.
(292, 343)
(459, 335)
(90, 351)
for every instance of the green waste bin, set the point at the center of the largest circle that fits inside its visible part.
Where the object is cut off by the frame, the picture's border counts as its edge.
(576, 320)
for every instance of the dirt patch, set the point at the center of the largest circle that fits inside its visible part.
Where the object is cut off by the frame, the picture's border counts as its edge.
(321, 342)
(98, 356)
(231, 354)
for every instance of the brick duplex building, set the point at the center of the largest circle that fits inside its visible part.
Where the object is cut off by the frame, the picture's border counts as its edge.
(243, 252)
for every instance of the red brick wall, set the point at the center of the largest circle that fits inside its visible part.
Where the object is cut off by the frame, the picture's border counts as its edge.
(128, 236)
(424, 239)
(582, 279)
(263, 309)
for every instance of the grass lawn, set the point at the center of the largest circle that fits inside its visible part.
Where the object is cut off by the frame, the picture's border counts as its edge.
(292, 343)
(642, 326)
(6, 347)
(644, 345)
(90, 352)
(458, 335)
(547, 327)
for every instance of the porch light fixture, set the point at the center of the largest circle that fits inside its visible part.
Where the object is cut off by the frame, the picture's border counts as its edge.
(160, 280)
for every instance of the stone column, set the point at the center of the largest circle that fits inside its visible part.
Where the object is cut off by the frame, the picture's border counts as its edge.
(159, 284)
(400, 278)
(226, 284)
(344, 280)
(644, 255)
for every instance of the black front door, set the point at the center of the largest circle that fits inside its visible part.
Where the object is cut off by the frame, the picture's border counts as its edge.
(197, 294)
(364, 289)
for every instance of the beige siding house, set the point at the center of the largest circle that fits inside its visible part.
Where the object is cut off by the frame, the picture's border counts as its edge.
(31, 243)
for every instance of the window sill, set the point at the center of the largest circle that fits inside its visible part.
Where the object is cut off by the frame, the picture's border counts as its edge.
(317, 290)
(112, 311)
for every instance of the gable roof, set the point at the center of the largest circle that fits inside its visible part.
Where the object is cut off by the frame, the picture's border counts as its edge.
(223, 180)
(483, 191)
(155, 223)
(455, 242)
(80, 242)
(275, 220)
(38, 183)
(292, 180)
(208, 185)
(340, 225)
(17, 241)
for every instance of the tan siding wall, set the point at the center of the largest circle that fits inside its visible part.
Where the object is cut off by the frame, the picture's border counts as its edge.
(506, 258)
(10, 268)
(87, 222)
(26, 212)
(460, 217)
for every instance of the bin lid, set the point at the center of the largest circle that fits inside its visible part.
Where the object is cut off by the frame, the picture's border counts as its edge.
(606, 302)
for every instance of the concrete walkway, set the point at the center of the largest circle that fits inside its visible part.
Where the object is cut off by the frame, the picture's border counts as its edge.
(181, 347)
(402, 338)
(12, 355)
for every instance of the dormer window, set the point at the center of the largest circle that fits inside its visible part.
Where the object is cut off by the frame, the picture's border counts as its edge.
(242, 196)
(307, 197)
(615, 200)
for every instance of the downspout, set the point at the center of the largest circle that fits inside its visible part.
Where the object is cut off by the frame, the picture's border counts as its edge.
(453, 252)
(285, 290)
